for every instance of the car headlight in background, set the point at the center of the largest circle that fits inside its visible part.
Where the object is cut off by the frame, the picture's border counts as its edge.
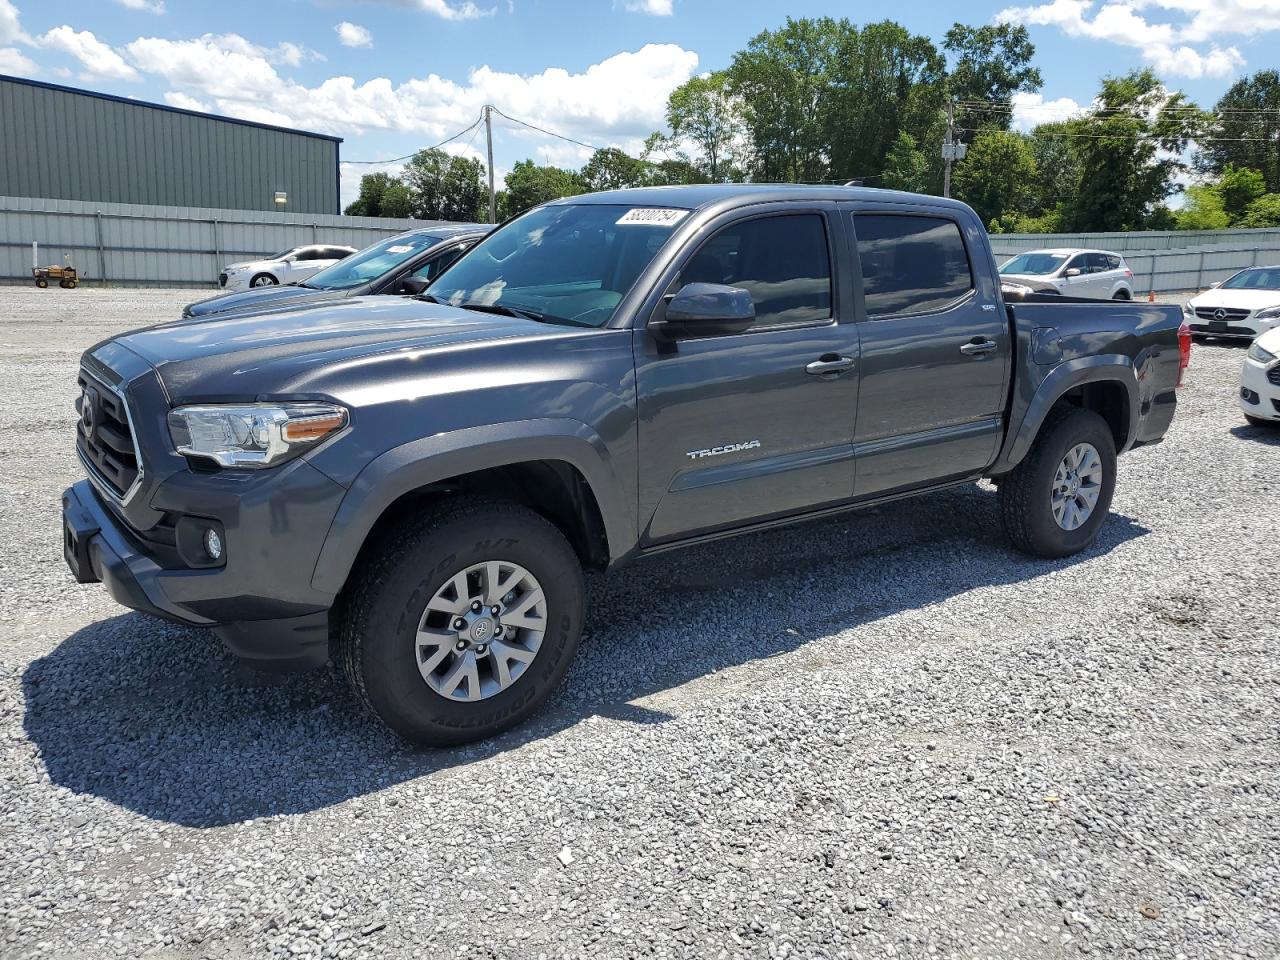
(1257, 353)
(1270, 313)
(1188, 310)
(253, 435)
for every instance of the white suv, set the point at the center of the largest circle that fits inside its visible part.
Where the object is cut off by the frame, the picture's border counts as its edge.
(1095, 274)
(292, 266)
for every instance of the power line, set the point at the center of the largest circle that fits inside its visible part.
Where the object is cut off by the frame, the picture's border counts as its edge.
(549, 133)
(460, 133)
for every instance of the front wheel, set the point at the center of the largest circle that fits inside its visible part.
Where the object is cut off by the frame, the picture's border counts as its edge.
(1056, 500)
(263, 280)
(464, 622)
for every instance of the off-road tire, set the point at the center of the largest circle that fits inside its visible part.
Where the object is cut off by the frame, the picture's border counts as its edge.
(376, 647)
(1025, 494)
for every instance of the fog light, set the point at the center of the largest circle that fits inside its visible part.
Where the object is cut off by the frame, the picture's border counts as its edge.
(213, 544)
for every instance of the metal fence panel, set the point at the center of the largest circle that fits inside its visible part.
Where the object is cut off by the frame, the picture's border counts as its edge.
(148, 244)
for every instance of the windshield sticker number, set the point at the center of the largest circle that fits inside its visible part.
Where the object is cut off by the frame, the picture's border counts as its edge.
(653, 216)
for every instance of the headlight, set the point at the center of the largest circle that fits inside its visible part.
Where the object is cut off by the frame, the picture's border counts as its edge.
(1259, 354)
(253, 436)
(1270, 313)
(1188, 310)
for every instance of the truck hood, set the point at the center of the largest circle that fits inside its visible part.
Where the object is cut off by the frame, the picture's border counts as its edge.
(297, 351)
(1237, 299)
(261, 298)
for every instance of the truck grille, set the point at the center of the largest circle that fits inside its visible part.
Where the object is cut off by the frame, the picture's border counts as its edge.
(222, 279)
(104, 436)
(1230, 313)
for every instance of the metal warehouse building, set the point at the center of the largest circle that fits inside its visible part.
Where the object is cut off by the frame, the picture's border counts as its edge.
(67, 144)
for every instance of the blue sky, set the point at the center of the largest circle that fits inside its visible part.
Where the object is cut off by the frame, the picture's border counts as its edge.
(391, 76)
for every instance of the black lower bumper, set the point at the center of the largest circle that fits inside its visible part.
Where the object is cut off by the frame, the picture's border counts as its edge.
(97, 550)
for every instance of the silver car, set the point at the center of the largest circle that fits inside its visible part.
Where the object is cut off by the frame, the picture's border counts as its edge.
(1093, 274)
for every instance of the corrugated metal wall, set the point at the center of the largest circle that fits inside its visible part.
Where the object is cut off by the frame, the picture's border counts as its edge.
(1165, 266)
(74, 145)
(139, 244)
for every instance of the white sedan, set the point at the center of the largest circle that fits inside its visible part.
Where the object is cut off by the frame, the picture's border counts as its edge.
(1240, 308)
(292, 266)
(1092, 274)
(1260, 381)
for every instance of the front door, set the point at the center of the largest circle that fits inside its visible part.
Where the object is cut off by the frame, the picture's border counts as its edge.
(936, 349)
(757, 424)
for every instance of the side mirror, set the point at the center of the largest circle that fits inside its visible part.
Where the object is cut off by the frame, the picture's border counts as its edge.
(411, 286)
(705, 310)
(1072, 272)
(1215, 284)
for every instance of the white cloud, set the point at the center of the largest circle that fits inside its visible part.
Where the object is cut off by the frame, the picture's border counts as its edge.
(619, 100)
(100, 62)
(15, 63)
(150, 6)
(353, 35)
(175, 99)
(1165, 45)
(10, 28)
(1032, 109)
(655, 8)
(444, 9)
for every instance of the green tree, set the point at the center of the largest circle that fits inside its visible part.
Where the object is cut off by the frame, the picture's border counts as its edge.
(1203, 209)
(991, 63)
(1238, 188)
(905, 166)
(611, 169)
(1263, 212)
(886, 81)
(703, 113)
(373, 187)
(445, 187)
(529, 185)
(1128, 151)
(397, 201)
(997, 176)
(1246, 129)
(783, 81)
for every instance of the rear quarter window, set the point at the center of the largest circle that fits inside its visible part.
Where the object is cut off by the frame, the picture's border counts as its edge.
(911, 264)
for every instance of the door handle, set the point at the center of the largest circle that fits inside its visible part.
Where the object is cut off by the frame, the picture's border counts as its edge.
(829, 366)
(978, 348)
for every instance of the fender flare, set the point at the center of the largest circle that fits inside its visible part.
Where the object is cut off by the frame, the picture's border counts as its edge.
(419, 463)
(1066, 376)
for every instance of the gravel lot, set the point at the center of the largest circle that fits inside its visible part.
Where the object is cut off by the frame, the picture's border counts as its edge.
(882, 736)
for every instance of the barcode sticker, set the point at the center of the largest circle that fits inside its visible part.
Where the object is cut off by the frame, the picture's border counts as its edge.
(653, 216)
(401, 248)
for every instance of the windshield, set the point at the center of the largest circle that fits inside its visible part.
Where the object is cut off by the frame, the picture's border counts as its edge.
(568, 264)
(1263, 278)
(1034, 264)
(371, 262)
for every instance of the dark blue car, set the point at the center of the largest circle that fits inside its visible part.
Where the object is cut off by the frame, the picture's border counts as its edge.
(403, 264)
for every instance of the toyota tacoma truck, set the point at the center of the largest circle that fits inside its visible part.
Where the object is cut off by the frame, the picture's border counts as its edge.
(413, 487)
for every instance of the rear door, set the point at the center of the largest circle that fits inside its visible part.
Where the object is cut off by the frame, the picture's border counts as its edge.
(748, 426)
(935, 347)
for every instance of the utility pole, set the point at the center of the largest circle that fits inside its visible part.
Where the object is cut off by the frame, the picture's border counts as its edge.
(488, 136)
(949, 147)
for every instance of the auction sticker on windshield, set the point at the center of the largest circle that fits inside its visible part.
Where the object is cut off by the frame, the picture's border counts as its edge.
(401, 248)
(653, 216)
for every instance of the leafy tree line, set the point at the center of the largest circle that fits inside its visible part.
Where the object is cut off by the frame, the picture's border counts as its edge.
(825, 100)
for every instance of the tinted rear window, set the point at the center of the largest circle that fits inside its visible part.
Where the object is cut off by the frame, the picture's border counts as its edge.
(910, 264)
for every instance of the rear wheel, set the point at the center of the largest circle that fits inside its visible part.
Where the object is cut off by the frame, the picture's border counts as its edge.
(1121, 295)
(463, 623)
(1054, 503)
(263, 280)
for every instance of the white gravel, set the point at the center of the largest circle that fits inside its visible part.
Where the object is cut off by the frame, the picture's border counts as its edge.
(886, 735)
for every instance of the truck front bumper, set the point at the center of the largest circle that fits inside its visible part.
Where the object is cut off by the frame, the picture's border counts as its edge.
(261, 619)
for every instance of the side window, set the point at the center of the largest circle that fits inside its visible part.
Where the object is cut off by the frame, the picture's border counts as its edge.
(783, 262)
(1076, 263)
(1098, 263)
(438, 264)
(334, 253)
(307, 254)
(1113, 262)
(910, 264)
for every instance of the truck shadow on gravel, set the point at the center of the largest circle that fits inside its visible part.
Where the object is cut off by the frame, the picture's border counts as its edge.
(160, 720)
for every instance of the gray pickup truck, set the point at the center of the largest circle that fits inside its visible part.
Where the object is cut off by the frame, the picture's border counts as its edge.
(414, 486)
